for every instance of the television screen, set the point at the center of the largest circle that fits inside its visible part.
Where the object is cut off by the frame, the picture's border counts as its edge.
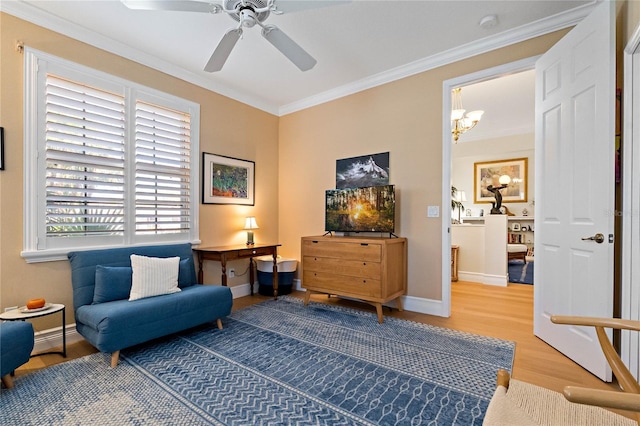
(369, 209)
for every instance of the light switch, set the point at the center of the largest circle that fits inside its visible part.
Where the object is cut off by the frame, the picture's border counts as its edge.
(433, 211)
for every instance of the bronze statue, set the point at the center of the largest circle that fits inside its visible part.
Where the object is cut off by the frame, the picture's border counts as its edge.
(495, 209)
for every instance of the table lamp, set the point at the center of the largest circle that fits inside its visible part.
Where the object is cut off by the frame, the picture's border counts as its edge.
(250, 224)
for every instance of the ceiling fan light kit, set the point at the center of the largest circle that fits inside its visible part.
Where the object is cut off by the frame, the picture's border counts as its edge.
(248, 13)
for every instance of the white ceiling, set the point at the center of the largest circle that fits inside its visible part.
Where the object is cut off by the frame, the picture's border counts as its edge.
(358, 44)
(508, 103)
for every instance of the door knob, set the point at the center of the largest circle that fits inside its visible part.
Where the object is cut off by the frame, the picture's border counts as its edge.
(598, 238)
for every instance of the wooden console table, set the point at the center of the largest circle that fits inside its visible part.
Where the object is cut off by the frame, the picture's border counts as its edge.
(222, 254)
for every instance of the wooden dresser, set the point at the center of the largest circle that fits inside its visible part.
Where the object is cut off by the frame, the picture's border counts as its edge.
(370, 269)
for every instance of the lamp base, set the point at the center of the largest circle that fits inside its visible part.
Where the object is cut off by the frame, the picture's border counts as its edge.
(250, 238)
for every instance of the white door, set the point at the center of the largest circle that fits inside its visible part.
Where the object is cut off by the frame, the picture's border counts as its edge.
(574, 198)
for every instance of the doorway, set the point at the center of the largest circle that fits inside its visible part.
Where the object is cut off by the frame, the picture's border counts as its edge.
(491, 74)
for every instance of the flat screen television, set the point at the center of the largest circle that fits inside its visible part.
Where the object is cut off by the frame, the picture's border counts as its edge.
(368, 209)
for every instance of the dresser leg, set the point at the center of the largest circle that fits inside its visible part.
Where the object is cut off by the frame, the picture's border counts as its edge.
(399, 304)
(307, 295)
(379, 311)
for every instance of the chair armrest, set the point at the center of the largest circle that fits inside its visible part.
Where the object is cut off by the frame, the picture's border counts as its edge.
(615, 323)
(626, 380)
(502, 378)
(603, 398)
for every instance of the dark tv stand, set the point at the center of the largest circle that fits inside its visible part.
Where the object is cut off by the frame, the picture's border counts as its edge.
(328, 233)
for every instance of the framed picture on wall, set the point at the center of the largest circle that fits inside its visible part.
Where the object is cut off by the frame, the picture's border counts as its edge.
(366, 170)
(227, 180)
(488, 173)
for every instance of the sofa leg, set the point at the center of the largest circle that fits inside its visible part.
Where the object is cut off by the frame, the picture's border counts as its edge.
(7, 380)
(219, 322)
(115, 356)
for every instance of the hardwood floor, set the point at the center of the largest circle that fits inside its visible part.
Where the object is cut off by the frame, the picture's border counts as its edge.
(502, 312)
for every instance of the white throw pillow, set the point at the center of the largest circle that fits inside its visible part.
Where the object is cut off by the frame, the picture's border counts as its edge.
(153, 276)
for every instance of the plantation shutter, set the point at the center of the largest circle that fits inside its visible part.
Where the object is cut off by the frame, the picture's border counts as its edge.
(84, 143)
(162, 170)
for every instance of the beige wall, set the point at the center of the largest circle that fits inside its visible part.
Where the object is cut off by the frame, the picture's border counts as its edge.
(404, 118)
(227, 128)
(630, 17)
(295, 156)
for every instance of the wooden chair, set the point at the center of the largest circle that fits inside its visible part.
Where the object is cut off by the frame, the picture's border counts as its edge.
(515, 402)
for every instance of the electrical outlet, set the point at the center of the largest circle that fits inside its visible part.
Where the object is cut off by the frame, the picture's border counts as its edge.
(232, 273)
(10, 308)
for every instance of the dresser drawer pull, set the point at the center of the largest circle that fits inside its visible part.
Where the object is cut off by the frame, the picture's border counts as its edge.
(314, 241)
(364, 244)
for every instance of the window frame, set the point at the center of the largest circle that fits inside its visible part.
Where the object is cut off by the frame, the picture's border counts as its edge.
(36, 246)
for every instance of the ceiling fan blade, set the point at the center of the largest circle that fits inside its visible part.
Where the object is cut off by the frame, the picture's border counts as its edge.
(223, 50)
(288, 47)
(289, 6)
(173, 5)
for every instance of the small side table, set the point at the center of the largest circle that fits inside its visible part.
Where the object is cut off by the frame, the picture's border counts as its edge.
(17, 315)
(222, 254)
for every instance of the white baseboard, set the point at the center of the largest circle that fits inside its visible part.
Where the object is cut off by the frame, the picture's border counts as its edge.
(423, 306)
(476, 277)
(51, 339)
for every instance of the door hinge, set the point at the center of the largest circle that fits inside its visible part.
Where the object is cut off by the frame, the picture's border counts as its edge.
(610, 238)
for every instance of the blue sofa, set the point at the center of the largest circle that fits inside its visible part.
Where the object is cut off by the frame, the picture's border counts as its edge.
(16, 344)
(110, 322)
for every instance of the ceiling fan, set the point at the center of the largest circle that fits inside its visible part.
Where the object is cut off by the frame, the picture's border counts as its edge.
(247, 13)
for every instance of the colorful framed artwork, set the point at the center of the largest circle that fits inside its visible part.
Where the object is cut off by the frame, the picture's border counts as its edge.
(227, 180)
(488, 173)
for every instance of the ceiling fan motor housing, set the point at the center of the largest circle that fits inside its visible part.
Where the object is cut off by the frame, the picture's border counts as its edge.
(245, 11)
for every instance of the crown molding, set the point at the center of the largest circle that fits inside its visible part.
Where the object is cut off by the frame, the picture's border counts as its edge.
(506, 38)
(39, 17)
(541, 27)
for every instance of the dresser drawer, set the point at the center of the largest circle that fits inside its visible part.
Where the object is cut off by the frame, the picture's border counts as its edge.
(342, 250)
(351, 268)
(255, 251)
(340, 284)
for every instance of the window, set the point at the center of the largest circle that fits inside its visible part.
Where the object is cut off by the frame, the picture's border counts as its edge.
(109, 162)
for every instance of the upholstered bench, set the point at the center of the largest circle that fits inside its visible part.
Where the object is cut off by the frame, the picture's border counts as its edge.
(517, 251)
(16, 344)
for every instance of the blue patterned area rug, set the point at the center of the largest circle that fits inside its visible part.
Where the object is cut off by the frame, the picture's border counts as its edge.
(520, 272)
(275, 363)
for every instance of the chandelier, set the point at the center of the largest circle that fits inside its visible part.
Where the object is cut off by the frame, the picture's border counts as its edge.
(461, 123)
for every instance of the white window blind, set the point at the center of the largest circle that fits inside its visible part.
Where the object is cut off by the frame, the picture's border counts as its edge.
(162, 164)
(84, 160)
(108, 162)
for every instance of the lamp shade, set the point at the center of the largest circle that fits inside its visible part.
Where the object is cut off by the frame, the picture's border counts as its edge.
(250, 223)
(505, 180)
(475, 115)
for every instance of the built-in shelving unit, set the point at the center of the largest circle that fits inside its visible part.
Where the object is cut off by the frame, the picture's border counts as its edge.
(520, 228)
